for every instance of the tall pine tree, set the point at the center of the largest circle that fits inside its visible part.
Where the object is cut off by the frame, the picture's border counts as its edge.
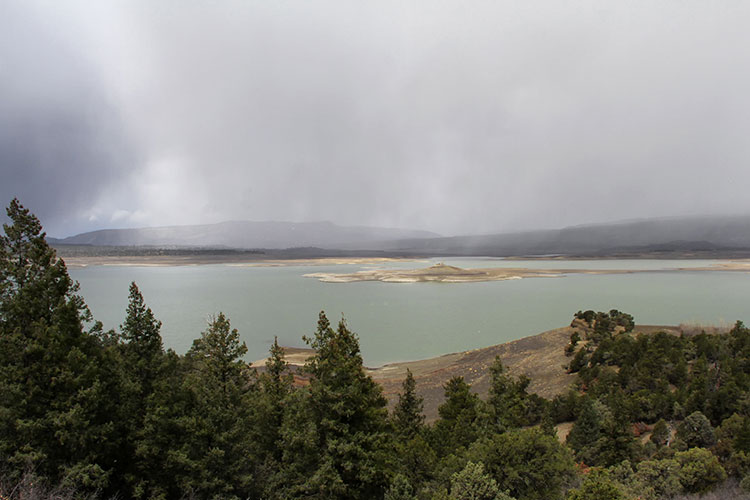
(510, 406)
(458, 425)
(142, 339)
(335, 439)
(275, 385)
(414, 456)
(55, 387)
(408, 418)
(219, 428)
(142, 360)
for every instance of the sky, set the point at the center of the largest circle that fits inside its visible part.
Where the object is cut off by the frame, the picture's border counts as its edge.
(455, 117)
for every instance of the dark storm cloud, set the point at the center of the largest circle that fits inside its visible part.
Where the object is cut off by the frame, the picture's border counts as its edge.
(450, 116)
(61, 142)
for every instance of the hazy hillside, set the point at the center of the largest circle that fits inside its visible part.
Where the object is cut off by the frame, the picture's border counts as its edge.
(665, 234)
(246, 234)
(685, 235)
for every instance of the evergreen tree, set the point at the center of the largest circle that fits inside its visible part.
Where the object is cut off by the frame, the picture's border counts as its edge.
(408, 418)
(742, 439)
(414, 456)
(585, 432)
(142, 340)
(218, 450)
(696, 431)
(416, 460)
(700, 470)
(616, 442)
(660, 475)
(527, 463)
(200, 423)
(660, 435)
(335, 436)
(509, 402)
(699, 387)
(458, 425)
(141, 357)
(55, 386)
(472, 483)
(162, 461)
(597, 486)
(275, 385)
(400, 489)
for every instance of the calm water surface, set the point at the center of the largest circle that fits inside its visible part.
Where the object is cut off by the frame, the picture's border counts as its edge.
(398, 321)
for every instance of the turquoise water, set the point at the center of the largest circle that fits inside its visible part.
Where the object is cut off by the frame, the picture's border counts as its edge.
(397, 321)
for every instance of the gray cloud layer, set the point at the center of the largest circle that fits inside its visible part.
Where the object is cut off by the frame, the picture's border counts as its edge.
(454, 117)
(61, 139)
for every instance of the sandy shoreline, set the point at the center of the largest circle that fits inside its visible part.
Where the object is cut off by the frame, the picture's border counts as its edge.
(200, 260)
(724, 265)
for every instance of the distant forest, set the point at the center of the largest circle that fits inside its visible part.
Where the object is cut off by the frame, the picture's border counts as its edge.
(89, 413)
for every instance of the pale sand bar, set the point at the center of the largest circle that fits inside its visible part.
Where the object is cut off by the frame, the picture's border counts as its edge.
(450, 274)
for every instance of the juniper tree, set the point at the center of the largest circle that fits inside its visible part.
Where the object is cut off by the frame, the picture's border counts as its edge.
(527, 463)
(696, 431)
(472, 483)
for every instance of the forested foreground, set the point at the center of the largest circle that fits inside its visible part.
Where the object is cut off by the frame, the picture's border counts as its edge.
(88, 413)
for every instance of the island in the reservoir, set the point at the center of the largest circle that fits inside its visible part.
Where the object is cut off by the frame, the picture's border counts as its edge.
(443, 273)
(447, 274)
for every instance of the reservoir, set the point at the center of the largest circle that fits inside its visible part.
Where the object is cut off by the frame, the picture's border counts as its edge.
(407, 321)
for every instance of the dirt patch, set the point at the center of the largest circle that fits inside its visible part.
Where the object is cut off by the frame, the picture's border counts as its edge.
(563, 430)
(539, 357)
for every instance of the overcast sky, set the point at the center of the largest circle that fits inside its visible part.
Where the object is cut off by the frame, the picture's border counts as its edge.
(456, 117)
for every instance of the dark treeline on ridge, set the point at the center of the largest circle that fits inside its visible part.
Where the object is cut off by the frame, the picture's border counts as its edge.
(89, 413)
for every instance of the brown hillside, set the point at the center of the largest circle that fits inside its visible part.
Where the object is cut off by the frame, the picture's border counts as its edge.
(540, 357)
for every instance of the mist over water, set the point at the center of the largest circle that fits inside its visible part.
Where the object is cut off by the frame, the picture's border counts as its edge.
(397, 322)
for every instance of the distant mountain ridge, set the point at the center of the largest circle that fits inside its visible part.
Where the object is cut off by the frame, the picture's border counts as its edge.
(705, 233)
(676, 234)
(247, 235)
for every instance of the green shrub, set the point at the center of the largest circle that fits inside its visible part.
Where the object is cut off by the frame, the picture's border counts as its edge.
(700, 471)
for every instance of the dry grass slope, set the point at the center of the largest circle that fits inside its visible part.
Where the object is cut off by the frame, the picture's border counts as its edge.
(540, 357)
